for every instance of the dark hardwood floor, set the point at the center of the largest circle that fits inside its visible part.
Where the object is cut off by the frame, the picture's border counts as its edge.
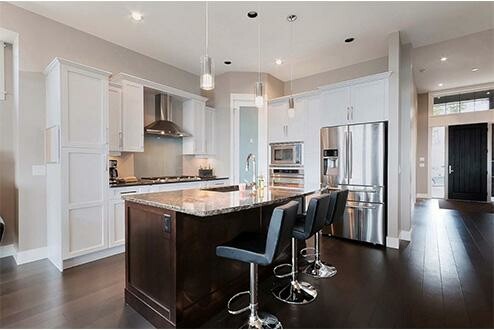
(443, 278)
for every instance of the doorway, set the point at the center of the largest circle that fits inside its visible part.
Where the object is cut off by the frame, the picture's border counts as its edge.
(438, 161)
(467, 162)
(248, 140)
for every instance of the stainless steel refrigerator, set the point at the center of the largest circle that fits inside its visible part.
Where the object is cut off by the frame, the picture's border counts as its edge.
(354, 157)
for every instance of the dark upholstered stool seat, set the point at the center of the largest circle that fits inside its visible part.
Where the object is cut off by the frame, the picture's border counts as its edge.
(260, 249)
(247, 247)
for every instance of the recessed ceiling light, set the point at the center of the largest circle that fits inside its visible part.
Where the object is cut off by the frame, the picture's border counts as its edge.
(444, 59)
(475, 69)
(136, 16)
(252, 14)
(440, 84)
(348, 40)
(278, 61)
(227, 62)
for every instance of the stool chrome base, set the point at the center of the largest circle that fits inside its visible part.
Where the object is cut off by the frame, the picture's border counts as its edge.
(319, 269)
(296, 293)
(263, 321)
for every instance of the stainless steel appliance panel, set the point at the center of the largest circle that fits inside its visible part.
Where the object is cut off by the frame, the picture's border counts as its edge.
(334, 156)
(366, 154)
(286, 154)
(369, 194)
(371, 222)
(348, 227)
(286, 177)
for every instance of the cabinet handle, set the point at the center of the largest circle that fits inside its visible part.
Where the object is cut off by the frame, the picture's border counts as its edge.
(351, 112)
(120, 140)
(347, 113)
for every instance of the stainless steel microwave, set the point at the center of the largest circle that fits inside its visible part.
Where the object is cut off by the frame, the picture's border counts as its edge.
(286, 154)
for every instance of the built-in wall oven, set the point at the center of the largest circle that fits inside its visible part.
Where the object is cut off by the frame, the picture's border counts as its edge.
(286, 177)
(286, 154)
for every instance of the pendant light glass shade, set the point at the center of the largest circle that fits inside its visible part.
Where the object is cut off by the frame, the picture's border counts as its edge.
(259, 94)
(291, 107)
(207, 73)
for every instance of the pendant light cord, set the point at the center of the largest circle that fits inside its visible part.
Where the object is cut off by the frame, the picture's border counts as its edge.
(291, 58)
(259, 43)
(207, 27)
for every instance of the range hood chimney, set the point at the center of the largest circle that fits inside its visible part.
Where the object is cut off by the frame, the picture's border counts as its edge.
(163, 125)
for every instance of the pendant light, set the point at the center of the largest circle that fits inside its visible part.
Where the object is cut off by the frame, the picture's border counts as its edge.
(291, 102)
(259, 100)
(207, 65)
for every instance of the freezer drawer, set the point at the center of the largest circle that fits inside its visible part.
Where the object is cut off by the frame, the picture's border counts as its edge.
(363, 222)
(368, 194)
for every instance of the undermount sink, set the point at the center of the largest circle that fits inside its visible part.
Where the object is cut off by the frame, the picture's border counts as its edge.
(223, 188)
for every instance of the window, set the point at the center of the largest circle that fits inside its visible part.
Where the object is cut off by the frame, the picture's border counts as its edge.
(462, 103)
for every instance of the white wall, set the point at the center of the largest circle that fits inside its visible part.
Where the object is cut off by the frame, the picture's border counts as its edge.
(40, 40)
(357, 70)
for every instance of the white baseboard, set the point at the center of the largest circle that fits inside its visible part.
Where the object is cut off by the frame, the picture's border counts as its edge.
(93, 256)
(23, 257)
(421, 195)
(406, 235)
(392, 242)
(7, 250)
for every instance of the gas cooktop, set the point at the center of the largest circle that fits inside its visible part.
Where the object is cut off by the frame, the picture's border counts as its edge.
(167, 179)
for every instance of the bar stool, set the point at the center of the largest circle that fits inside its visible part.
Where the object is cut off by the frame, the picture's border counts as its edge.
(318, 268)
(297, 292)
(258, 249)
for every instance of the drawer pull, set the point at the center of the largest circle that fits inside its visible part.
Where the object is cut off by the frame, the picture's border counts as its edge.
(128, 192)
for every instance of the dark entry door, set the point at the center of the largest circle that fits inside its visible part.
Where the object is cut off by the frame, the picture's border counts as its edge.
(467, 154)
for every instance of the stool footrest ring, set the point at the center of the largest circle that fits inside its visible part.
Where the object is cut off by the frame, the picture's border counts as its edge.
(306, 254)
(241, 310)
(275, 270)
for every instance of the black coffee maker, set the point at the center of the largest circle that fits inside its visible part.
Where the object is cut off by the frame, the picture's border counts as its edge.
(113, 171)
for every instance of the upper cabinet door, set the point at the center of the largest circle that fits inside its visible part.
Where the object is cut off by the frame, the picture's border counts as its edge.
(84, 108)
(369, 102)
(277, 122)
(194, 123)
(335, 105)
(297, 121)
(133, 117)
(115, 122)
(209, 128)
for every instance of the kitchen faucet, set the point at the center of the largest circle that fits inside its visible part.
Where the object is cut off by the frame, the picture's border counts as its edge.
(254, 170)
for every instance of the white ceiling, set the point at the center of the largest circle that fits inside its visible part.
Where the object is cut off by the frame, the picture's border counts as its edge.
(173, 32)
(465, 53)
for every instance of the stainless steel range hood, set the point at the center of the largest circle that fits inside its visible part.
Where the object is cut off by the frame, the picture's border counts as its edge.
(163, 125)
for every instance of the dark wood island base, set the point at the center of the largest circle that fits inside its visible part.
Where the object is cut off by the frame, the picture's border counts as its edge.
(173, 276)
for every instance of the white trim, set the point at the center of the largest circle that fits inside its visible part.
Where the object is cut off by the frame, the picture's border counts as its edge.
(7, 250)
(246, 100)
(76, 261)
(406, 235)
(117, 78)
(392, 242)
(422, 195)
(295, 96)
(59, 60)
(465, 89)
(23, 257)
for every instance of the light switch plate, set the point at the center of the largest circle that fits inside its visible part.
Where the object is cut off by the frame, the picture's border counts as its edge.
(38, 170)
(421, 165)
(422, 159)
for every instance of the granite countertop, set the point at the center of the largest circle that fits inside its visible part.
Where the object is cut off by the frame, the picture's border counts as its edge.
(205, 203)
(150, 183)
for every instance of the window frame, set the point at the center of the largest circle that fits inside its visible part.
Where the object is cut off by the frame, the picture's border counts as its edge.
(465, 90)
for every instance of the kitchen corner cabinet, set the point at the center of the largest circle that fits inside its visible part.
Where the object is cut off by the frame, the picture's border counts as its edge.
(282, 127)
(115, 132)
(361, 101)
(199, 121)
(77, 171)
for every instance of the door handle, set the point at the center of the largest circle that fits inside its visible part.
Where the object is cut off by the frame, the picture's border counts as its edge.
(450, 169)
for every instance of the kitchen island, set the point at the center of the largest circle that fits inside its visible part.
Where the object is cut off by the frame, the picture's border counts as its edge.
(173, 276)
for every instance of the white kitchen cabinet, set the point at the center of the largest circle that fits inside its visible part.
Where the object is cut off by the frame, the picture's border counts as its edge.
(116, 213)
(362, 100)
(132, 117)
(335, 106)
(281, 126)
(76, 180)
(115, 133)
(198, 120)
(369, 101)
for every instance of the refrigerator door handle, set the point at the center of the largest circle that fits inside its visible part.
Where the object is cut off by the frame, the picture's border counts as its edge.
(346, 151)
(350, 154)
